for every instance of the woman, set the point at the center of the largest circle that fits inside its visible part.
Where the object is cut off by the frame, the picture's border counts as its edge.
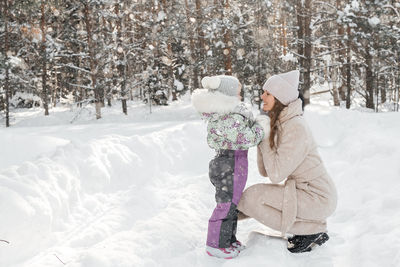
(288, 153)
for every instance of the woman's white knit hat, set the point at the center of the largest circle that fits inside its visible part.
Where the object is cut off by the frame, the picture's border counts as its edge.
(284, 86)
(227, 85)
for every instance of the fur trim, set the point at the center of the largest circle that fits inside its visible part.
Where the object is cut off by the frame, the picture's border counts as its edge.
(205, 101)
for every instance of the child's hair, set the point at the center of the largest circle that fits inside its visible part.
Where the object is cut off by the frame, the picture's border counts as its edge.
(274, 116)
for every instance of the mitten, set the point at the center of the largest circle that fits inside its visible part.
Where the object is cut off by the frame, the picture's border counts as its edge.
(264, 122)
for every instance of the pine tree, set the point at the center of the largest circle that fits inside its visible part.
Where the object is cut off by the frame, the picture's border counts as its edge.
(5, 12)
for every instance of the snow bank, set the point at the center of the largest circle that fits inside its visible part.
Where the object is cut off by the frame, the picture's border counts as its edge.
(42, 196)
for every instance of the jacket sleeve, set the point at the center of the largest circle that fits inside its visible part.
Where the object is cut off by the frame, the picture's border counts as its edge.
(290, 153)
(251, 130)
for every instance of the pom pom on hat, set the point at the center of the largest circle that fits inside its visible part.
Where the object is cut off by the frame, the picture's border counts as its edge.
(211, 82)
(284, 86)
(224, 84)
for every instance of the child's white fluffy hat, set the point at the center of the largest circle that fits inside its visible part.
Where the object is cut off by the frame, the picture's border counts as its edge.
(228, 85)
(284, 86)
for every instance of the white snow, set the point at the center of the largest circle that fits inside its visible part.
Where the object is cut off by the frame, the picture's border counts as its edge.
(374, 21)
(289, 57)
(179, 85)
(25, 96)
(134, 190)
(161, 16)
(240, 53)
(355, 5)
(327, 58)
(166, 61)
(219, 44)
(55, 12)
(17, 62)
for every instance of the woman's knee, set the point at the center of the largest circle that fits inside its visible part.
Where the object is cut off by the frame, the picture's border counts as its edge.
(248, 199)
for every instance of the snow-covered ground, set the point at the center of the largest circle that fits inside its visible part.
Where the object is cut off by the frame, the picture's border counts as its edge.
(134, 190)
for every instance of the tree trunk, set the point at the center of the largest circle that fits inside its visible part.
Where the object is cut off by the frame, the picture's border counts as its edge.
(44, 60)
(331, 73)
(53, 92)
(398, 82)
(171, 74)
(139, 35)
(92, 61)
(342, 69)
(200, 41)
(169, 54)
(215, 13)
(307, 52)
(300, 39)
(121, 57)
(55, 88)
(334, 77)
(107, 90)
(383, 89)
(130, 39)
(227, 48)
(156, 44)
(7, 79)
(331, 78)
(342, 54)
(193, 55)
(283, 35)
(82, 91)
(348, 69)
(55, 84)
(369, 77)
(259, 78)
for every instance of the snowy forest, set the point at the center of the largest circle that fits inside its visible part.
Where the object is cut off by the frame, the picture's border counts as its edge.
(104, 158)
(103, 52)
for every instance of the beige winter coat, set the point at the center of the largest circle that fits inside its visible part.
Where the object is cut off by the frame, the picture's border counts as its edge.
(307, 197)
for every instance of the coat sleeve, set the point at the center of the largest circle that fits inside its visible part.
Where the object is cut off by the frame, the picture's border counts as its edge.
(260, 163)
(290, 153)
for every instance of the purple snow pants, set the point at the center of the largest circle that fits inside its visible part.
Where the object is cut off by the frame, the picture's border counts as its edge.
(228, 173)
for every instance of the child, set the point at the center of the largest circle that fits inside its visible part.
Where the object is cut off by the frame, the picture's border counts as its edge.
(231, 132)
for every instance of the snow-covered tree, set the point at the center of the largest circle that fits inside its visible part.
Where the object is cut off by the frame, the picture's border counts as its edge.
(89, 51)
(375, 44)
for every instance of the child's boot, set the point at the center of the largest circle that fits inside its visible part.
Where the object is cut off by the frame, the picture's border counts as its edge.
(224, 253)
(238, 245)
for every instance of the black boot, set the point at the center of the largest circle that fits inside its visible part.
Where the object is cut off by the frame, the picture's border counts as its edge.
(305, 243)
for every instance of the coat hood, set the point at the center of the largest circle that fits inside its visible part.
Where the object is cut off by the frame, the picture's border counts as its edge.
(292, 110)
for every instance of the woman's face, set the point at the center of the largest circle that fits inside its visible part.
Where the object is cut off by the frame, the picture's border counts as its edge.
(268, 100)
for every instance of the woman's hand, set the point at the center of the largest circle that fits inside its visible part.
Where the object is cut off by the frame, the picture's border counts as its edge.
(264, 122)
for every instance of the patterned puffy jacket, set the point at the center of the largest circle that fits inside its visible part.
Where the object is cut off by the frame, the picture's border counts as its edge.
(235, 130)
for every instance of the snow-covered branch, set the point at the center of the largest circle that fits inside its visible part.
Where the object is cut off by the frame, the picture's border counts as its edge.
(75, 67)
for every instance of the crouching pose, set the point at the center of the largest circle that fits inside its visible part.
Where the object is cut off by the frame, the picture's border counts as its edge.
(289, 154)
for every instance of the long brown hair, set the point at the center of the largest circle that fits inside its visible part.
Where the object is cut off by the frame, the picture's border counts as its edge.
(275, 125)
